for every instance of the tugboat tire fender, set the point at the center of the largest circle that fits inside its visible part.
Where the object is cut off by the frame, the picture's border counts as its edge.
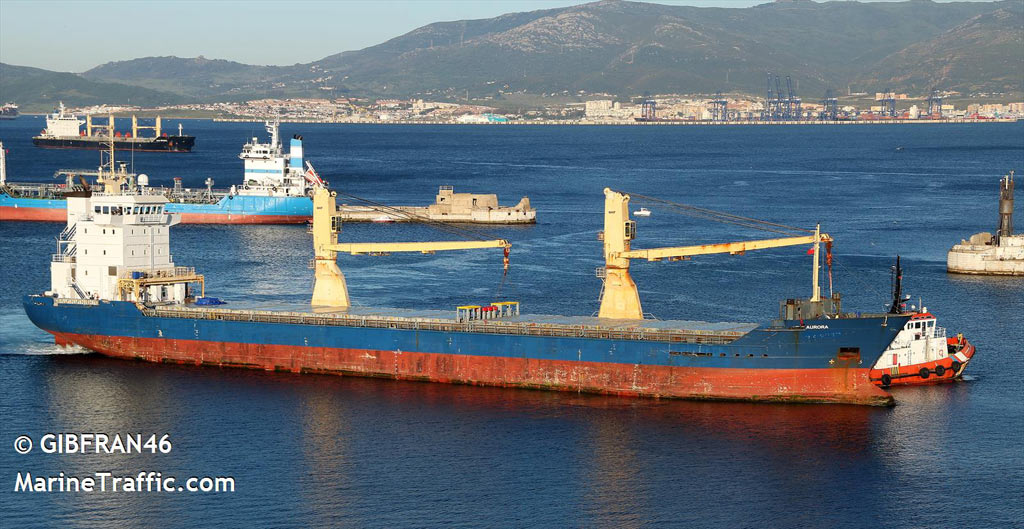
(886, 381)
(940, 371)
(955, 367)
(924, 372)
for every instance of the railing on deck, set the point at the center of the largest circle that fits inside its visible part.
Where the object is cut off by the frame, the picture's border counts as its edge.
(424, 324)
(177, 271)
(72, 301)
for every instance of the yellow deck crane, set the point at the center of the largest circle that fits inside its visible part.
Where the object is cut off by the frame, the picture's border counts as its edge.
(620, 298)
(329, 288)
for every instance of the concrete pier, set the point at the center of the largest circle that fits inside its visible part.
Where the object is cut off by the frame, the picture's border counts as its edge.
(987, 254)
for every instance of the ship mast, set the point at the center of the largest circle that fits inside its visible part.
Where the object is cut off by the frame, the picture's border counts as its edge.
(3, 165)
(107, 176)
(897, 288)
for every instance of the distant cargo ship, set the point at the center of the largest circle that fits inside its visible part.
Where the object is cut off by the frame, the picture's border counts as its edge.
(63, 131)
(276, 188)
(9, 111)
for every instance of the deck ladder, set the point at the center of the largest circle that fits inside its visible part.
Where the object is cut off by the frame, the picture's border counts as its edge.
(78, 290)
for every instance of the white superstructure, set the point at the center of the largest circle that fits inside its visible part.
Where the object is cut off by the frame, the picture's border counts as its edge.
(62, 124)
(116, 247)
(269, 171)
(920, 342)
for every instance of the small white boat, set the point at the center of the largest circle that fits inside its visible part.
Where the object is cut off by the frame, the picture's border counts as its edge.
(642, 212)
(383, 219)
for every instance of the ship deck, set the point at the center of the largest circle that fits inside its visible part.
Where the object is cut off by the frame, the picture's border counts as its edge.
(678, 331)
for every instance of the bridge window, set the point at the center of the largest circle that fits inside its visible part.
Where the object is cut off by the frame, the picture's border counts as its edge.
(106, 210)
(96, 209)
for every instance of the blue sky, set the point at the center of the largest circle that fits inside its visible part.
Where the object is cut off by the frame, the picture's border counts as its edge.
(77, 35)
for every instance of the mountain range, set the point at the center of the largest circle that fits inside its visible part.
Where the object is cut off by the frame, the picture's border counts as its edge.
(615, 47)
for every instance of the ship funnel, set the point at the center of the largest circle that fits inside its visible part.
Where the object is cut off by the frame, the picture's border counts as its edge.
(295, 150)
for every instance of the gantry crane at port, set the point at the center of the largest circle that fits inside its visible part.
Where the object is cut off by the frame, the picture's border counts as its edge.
(329, 287)
(620, 299)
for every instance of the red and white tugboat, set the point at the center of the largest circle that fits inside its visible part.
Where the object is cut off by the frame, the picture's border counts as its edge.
(921, 353)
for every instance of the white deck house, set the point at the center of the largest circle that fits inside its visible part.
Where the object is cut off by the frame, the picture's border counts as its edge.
(116, 247)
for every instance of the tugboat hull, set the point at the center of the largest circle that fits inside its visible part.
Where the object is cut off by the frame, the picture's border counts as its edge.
(938, 371)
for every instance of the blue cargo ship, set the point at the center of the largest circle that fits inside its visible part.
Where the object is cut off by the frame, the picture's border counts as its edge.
(131, 301)
(276, 189)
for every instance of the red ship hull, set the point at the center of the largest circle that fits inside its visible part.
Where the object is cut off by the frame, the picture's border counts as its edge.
(204, 218)
(939, 371)
(34, 214)
(844, 386)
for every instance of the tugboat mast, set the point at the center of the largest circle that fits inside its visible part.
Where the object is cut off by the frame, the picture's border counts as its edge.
(897, 288)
